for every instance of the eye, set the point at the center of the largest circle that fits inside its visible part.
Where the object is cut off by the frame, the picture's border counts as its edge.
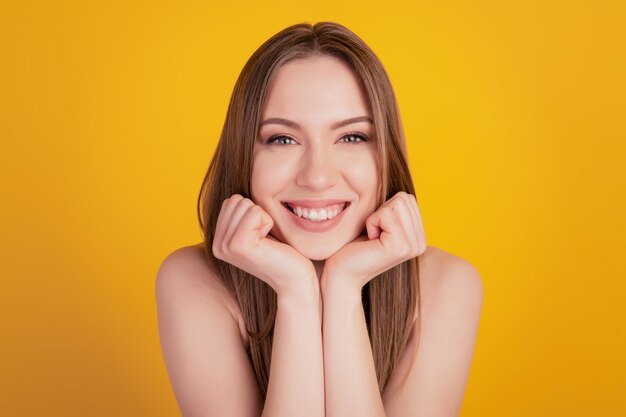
(280, 140)
(355, 137)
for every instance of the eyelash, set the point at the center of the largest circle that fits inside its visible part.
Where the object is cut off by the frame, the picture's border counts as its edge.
(361, 136)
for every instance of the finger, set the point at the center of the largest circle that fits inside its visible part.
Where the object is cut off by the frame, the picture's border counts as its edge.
(403, 241)
(407, 222)
(256, 221)
(421, 234)
(392, 199)
(411, 204)
(223, 220)
(387, 220)
(233, 222)
(372, 224)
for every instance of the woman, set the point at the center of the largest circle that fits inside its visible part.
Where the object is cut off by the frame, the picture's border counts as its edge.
(314, 283)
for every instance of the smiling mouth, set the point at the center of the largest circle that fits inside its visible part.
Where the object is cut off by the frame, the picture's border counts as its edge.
(317, 214)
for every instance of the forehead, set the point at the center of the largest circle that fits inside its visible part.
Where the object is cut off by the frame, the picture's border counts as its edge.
(315, 89)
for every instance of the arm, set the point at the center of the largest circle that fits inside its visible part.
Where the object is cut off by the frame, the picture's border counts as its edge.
(206, 359)
(296, 379)
(394, 235)
(203, 351)
(296, 385)
(439, 372)
(349, 372)
(437, 375)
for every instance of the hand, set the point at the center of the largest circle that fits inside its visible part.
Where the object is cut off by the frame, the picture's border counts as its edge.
(241, 239)
(394, 234)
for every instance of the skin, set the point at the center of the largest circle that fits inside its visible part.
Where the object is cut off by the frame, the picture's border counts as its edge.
(307, 158)
(316, 161)
(321, 361)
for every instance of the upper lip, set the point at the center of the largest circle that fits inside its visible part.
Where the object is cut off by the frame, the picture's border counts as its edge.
(314, 203)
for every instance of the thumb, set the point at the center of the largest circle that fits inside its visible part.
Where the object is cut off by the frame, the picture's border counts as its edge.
(266, 224)
(256, 219)
(372, 224)
(266, 229)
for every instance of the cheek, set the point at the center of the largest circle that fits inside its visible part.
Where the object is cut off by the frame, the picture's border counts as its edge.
(258, 181)
(364, 174)
(268, 177)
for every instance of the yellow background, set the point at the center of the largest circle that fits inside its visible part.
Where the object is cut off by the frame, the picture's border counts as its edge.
(515, 114)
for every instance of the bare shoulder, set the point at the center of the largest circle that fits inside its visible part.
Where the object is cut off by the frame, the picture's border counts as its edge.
(191, 262)
(188, 269)
(448, 278)
(205, 358)
(433, 372)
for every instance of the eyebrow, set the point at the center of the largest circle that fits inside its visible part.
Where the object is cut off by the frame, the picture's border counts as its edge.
(337, 125)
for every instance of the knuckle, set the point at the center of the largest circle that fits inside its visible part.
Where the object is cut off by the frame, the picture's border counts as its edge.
(252, 213)
(235, 198)
(245, 202)
(396, 207)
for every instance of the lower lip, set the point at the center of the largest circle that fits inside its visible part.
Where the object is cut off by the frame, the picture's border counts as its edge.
(312, 226)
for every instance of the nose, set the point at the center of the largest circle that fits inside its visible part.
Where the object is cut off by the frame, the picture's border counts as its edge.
(318, 169)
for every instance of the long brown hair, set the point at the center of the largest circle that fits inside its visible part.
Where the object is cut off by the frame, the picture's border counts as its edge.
(390, 300)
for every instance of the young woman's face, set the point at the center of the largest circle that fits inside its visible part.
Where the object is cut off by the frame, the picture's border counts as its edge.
(315, 169)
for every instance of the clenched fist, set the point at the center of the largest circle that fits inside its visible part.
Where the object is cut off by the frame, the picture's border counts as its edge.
(241, 239)
(394, 234)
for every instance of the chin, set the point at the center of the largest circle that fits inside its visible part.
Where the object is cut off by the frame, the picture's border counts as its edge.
(317, 252)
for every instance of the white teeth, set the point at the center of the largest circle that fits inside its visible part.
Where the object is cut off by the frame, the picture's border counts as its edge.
(317, 215)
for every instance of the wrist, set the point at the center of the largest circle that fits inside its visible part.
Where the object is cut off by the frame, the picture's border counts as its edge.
(337, 282)
(302, 290)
